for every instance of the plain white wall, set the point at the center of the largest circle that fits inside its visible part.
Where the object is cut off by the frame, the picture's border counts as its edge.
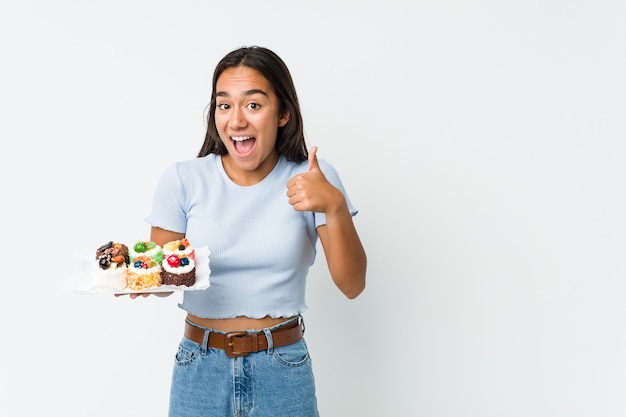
(482, 141)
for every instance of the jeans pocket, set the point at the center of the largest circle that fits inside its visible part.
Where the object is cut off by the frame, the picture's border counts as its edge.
(187, 352)
(296, 354)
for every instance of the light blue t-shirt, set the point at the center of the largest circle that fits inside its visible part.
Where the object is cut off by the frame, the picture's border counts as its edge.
(261, 249)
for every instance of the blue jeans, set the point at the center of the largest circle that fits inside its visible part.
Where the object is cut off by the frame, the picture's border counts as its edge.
(277, 382)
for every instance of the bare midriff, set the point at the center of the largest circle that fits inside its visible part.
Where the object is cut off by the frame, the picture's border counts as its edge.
(240, 323)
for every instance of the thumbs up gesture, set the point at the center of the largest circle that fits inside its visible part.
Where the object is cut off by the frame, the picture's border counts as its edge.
(313, 164)
(311, 191)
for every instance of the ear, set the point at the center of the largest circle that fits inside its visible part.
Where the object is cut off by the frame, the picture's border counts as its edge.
(284, 119)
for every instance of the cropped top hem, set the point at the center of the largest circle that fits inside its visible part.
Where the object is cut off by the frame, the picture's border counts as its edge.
(274, 315)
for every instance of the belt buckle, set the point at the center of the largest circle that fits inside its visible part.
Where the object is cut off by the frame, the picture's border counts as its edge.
(229, 345)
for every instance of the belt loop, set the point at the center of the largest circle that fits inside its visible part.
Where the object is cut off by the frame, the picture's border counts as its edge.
(270, 341)
(255, 342)
(205, 341)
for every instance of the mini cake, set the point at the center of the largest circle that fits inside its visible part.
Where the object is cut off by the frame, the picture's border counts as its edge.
(111, 265)
(179, 247)
(143, 272)
(146, 248)
(179, 270)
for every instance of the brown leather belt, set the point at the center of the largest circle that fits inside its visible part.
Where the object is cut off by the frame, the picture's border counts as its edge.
(241, 343)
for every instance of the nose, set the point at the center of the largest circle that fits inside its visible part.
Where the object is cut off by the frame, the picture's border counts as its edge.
(237, 119)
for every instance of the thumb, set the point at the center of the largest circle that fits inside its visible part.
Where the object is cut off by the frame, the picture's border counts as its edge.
(313, 164)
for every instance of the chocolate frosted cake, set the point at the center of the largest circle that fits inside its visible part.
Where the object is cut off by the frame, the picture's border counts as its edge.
(179, 270)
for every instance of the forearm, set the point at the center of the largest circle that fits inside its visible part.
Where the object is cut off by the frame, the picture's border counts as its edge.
(346, 258)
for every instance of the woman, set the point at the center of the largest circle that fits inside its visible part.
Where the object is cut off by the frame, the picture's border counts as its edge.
(259, 201)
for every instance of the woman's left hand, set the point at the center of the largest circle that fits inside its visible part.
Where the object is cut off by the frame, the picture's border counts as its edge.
(311, 191)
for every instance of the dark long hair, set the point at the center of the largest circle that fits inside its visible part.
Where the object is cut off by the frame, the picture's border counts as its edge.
(290, 138)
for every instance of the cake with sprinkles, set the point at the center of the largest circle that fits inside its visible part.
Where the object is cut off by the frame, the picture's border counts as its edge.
(143, 272)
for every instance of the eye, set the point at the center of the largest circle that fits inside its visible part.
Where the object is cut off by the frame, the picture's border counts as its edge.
(254, 106)
(222, 106)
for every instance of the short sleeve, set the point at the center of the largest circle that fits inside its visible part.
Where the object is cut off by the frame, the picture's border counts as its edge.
(168, 210)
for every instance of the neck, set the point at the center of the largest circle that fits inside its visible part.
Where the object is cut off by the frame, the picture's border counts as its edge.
(246, 177)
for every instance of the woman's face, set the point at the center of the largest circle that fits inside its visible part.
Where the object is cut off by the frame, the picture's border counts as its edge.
(247, 119)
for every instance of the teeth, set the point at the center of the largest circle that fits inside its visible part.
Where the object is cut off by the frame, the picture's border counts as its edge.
(240, 138)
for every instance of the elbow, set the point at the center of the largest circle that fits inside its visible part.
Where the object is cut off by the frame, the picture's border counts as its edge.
(352, 294)
(351, 282)
(355, 289)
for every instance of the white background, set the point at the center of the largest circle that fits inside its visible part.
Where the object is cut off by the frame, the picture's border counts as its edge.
(482, 142)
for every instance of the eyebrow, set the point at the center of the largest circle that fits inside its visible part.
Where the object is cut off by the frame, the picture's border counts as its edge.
(246, 93)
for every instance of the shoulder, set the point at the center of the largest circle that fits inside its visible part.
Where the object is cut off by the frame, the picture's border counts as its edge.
(197, 163)
(186, 173)
(325, 166)
(191, 166)
(327, 169)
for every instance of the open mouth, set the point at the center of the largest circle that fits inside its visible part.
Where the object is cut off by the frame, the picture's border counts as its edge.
(243, 144)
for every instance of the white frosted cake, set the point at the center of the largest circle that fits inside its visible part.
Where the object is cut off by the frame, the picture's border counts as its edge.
(110, 266)
(146, 248)
(181, 248)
